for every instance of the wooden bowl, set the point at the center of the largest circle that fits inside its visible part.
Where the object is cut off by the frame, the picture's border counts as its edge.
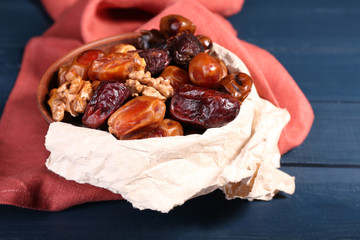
(49, 79)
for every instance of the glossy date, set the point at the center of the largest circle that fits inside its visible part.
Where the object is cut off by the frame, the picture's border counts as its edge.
(183, 48)
(206, 71)
(107, 98)
(176, 76)
(156, 59)
(139, 114)
(150, 39)
(115, 66)
(202, 107)
(166, 128)
(80, 66)
(237, 84)
(173, 24)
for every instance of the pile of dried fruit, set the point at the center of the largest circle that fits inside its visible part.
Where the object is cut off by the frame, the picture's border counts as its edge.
(166, 85)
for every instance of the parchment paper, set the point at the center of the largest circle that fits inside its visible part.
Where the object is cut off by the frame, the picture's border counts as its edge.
(241, 158)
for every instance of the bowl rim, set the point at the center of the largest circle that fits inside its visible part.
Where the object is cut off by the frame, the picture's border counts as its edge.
(43, 86)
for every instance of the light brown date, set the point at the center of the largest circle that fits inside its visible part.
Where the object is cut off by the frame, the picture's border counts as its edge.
(138, 114)
(166, 128)
(176, 76)
(115, 66)
(79, 67)
(237, 84)
(122, 48)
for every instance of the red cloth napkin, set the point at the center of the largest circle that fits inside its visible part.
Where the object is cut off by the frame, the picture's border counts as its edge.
(24, 179)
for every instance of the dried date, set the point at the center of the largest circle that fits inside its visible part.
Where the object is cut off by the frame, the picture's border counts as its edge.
(156, 59)
(80, 66)
(166, 128)
(107, 98)
(202, 107)
(139, 114)
(176, 76)
(183, 48)
(115, 66)
(171, 25)
(206, 71)
(237, 84)
(122, 48)
(150, 39)
(206, 42)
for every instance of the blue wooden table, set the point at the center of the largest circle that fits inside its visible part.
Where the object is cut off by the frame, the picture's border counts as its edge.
(318, 42)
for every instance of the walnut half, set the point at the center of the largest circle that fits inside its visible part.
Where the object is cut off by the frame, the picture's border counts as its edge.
(142, 83)
(71, 97)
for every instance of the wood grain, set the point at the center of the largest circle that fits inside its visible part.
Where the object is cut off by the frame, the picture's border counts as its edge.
(334, 138)
(317, 42)
(324, 206)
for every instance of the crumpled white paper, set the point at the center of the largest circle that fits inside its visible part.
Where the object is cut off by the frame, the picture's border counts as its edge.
(241, 158)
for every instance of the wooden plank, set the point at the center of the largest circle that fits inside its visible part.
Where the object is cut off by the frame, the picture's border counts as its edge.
(316, 41)
(334, 138)
(331, 75)
(324, 206)
(299, 24)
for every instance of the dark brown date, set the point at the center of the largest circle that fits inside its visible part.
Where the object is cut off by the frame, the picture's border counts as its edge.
(237, 84)
(173, 24)
(183, 47)
(203, 107)
(156, 59)
(136, 117)
(150, 39)
(107, 98)
(177, 76)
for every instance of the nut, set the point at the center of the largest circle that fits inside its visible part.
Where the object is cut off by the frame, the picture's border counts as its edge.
(71, 97)
(142, 83)
(57, 105)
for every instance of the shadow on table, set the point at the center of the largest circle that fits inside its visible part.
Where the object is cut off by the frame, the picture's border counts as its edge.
(208, 214)
(209, 209)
